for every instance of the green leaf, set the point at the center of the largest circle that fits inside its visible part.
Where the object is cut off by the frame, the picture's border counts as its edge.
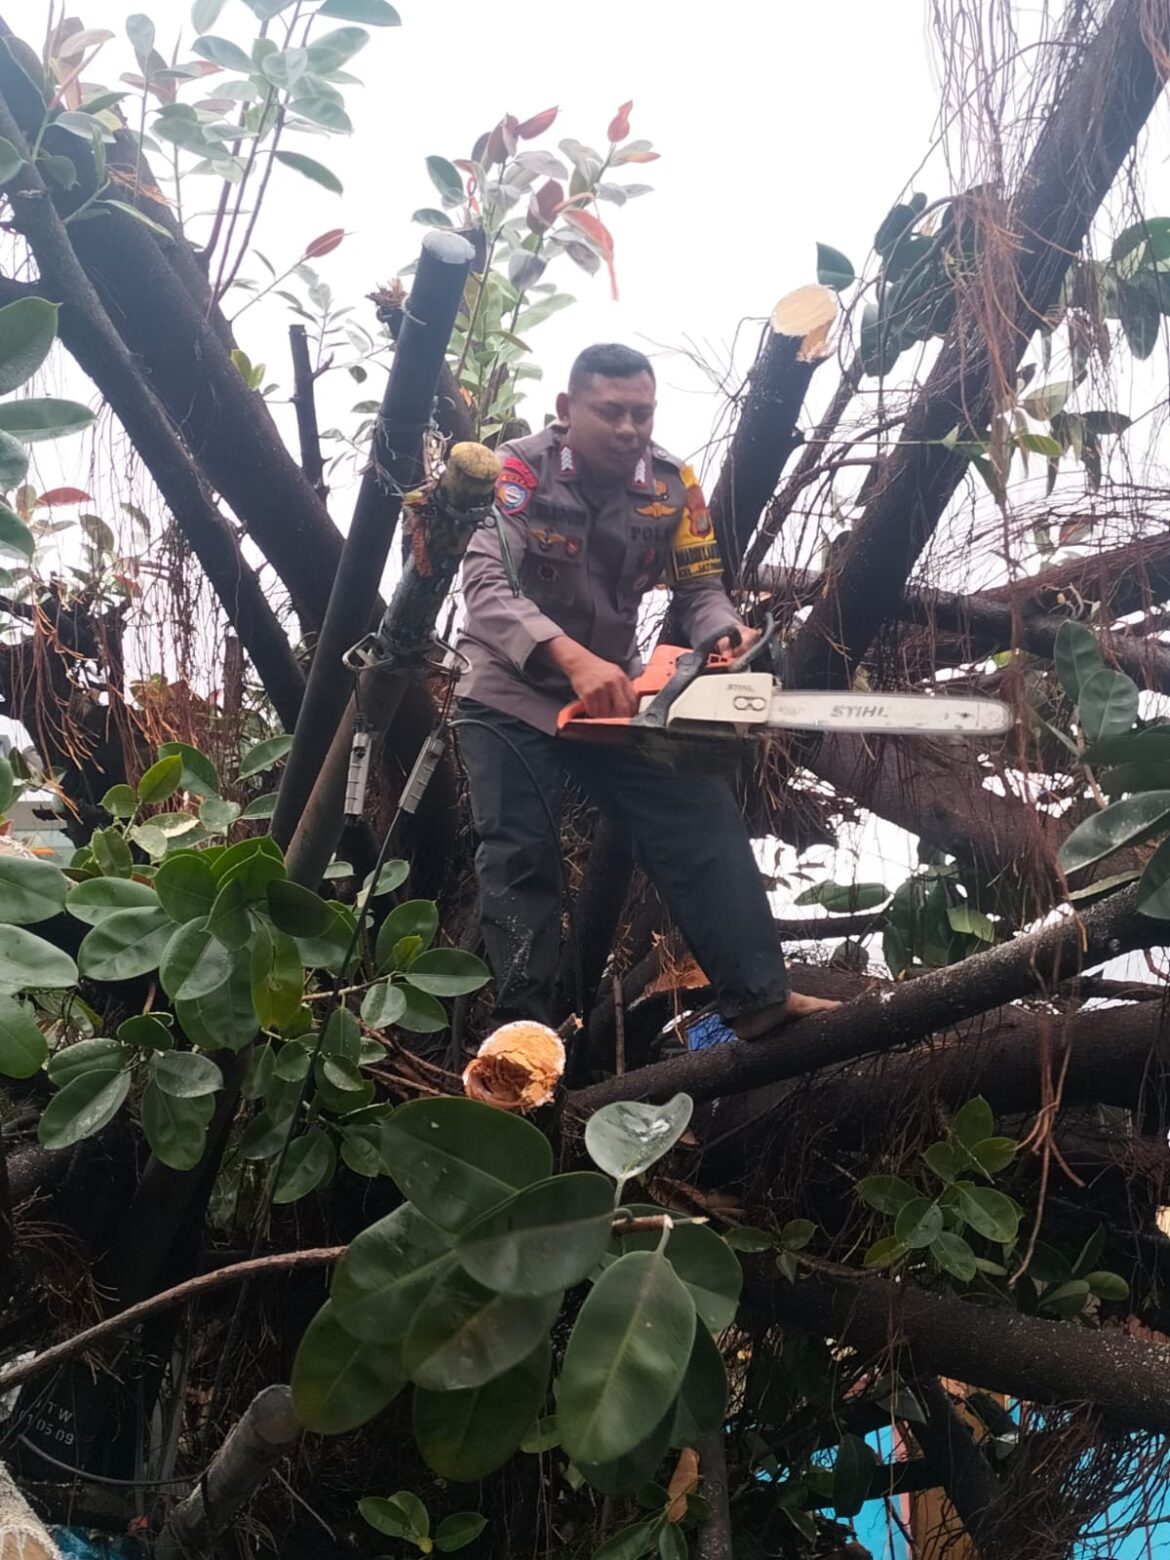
(387, 1273)
(466, 1335)
(447, 180)
(994, 1154)
(7, 780)
(797, 1233)
(97, 898)
(423, 1014)
(448, 972)
(1152, 233)
(1107, 1286)
(69, 1062)
(415, 918)
(298, 911)
(285, 67)
(1108, 705)
(339, 1382)
(186, 888)
(834, 269)
(989, 1212)
(309, 1164)
(974, 1122)
(125, 944)
(313, 170)
(260, 807)
(383, 1005)
(374, 13)
(624, 1139)
(467, 1435)
(23, 1048)
(704, 1262)
(13, 470)
(278, 979)
(42, 417)
(852, 1475)
(886, 1193)
(324, 111)
(205, 14)
(1139, 307)
(542, 1436)
(702, 1398)
(392, 876)
(630, 1543)
(458, 1530)
(543, 1240)
(194, 963)
(228, 920)
(845, 898)
(944, 1160)
(217, 814)
(146, 1032)
(919, 1221)
(16, 540)
(1046, 402)
(672, 1544)
(1127, 822)
(253, 863)
(749, 1239)
(398, 1516)
(222, 52)
(626, 1358)
(176, 1128)
(120, 801)
(82, 1107)
(185, 1075)
(224, 1017)
(198, 773)
(1154, 889)
(430, 216)
(28, 329)
(263, 755)
(30, 891)
(954, 1256)
(161, 780)
(1067, 1300)
(457, 1159)
(111, 853)
(969, 922)
(884, 1253)
(11, 162)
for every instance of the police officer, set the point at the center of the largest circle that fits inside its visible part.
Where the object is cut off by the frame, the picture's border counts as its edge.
(595, 515)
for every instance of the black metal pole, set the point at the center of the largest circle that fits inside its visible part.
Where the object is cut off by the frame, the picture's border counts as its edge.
(396, 465)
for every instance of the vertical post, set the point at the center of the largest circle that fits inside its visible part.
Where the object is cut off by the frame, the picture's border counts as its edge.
(395, 466)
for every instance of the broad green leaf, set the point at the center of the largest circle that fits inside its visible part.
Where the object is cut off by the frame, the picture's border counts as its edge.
(398, 1516)
(140, 31)
(1107, 1286)
(954, 1256)
(1043, 403)
(1154, 888)
(1151, 746)
(635, 1471)
(7, 781)
(834, 269)
(260, 807)
(416, 918)
(1067, 1300)
(263, 755)
(186, 888)
(994, 1154)
(111, 853)
(423, 1014)
(1127, 822)
(70, 1061)
(83, 1107)
(228, 920)
(392, 875)
(945, 1160)
(176, 1128)
(309, 1164)
(126, 944)
(457, 1159)
(334, 949)
(161, 780)
(970, 922)
(23, 1048)
(624, 1139)
(749, 1239)
(672, 1543)
(324, 111)
(151, 840)
(30, 891)
(702, 1398)
(120, 801)
(852, 1475)
(466, 1335)
(373, 13)
(338, 1382)
(383, 1005)
(466, 1435)
(217, 815)
(11, 162)
(448, 972)
(387, 1273)
(13, 470)
(989, 1212)
(626, 1358)
(341, 1085)
(1140, 302)
(884, 1253)
(285, 68)
(146, 1032)
(447, 180)
(797, 1234)
(185, 1075)
(205, 14)
(328, 52)
(542, 1436)
(222, 52)
(543, 1240)
(16, 540)
(278, 978)
(28, 329)
(43, 417)
(458, 1530)
(225, 1016)
(254, 863)
(886, 1193)
(704, 1262)
(1108, 705)
(198, 773)
(194, 963)
(973, 1122)
(630, 1543)
(298, 911)
(845, 898)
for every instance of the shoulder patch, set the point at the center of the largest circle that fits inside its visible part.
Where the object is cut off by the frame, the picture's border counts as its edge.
(694, 551)
(515, 486)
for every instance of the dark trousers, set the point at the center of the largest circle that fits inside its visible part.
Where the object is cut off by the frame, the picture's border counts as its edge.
(684, 829)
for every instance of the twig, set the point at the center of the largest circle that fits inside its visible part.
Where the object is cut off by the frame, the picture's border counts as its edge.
(619, 1028)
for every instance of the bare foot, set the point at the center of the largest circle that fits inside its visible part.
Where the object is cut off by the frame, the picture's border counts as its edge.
(795, 1007)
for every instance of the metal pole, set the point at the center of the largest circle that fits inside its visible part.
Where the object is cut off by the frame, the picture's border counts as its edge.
(396, 465)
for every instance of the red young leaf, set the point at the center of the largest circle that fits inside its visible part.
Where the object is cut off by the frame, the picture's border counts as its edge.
(63, 496)
(324, 245)
(544, 205)
(619, 125)
(641, 157)
(537, 125)
(601, 239)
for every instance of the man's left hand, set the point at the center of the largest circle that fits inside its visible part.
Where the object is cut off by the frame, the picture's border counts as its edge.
(747, 638)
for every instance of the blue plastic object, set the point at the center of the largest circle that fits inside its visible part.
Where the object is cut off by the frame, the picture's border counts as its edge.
(709, 1031)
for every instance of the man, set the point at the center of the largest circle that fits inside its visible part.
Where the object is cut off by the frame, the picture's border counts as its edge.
(594, 515)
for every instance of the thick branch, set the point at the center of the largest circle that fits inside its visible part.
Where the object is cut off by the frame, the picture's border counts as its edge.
(305, 406)
(960, 1468)
(1028, 966)
(1075, 161)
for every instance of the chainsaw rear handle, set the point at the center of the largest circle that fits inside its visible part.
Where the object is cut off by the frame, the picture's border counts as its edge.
(703, 657)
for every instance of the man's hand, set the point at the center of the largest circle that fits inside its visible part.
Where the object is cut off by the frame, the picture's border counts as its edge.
(747, 638)
(603, 688)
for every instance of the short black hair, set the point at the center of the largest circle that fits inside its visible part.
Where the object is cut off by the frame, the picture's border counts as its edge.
(610, 360)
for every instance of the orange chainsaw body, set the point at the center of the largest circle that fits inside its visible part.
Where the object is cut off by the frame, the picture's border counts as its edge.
(573, 721)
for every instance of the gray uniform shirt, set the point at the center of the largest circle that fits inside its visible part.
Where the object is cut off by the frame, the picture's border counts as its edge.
(584, 561)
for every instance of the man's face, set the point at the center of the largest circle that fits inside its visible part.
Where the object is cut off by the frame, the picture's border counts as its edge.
(610, 423)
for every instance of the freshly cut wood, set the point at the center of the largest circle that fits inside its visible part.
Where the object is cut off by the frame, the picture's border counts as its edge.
(809, 314)
(23, 1536)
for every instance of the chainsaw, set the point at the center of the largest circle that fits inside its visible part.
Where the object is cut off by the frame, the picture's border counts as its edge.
(706, 693)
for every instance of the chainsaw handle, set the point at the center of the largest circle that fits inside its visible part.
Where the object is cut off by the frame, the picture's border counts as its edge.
(686, 669)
